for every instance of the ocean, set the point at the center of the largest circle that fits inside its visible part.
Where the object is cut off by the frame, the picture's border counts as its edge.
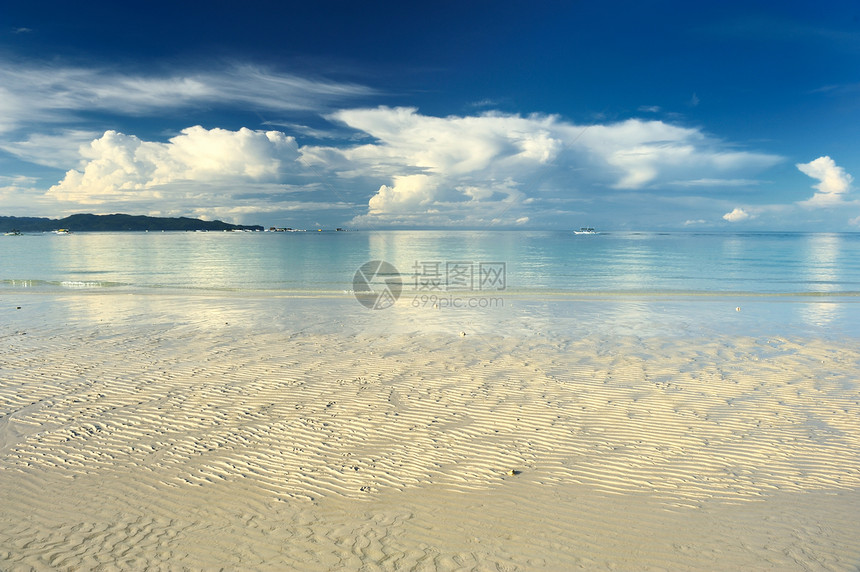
(801, 280)
(325, 262)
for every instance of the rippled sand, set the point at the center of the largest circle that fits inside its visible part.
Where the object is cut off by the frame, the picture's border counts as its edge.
(208, 436)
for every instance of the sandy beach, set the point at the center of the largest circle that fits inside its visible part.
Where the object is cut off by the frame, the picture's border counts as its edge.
(183, 432)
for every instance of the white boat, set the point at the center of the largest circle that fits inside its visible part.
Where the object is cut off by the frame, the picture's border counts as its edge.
(586, 230)
(62, 231)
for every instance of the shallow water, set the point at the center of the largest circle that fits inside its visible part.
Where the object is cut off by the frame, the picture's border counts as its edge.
(441, 261)
(519, 283)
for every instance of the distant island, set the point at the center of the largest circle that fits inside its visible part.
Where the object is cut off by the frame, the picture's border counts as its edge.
(114, 222)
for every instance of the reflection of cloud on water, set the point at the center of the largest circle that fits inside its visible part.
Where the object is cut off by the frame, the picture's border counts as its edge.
(820, 313)
(821, 262)
(146, 309)
(634, 267)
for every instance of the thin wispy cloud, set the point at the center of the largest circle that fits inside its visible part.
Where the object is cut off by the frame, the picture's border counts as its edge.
(47, 94)
(716, 183)
(60, 150)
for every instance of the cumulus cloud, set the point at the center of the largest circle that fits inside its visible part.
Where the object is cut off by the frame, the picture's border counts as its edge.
(737, 215)
(450, 145)
(454, 168)
(123, 167)
(487, 162)
(400, 167)
(834, 183)
(408, 192)
(646, 152)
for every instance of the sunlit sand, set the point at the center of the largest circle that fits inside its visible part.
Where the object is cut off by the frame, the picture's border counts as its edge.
(160, 431)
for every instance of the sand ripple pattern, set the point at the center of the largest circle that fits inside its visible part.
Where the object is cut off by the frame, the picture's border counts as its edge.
(216, 433)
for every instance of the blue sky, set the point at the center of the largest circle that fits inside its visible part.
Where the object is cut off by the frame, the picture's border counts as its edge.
(620, 115)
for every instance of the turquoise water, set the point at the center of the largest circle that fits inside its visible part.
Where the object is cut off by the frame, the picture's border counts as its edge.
(507, 281)
(753, 263)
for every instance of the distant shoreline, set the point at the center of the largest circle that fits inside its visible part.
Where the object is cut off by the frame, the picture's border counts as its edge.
(113, 223)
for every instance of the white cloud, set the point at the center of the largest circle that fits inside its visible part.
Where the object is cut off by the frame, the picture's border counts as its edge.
(716, 183)
(737, 215)
(834, 183)
(406, 169)
(450, 145)
(650, 152)
(122, 167)
(408, 192)
(485, 163)
(60, 150)
(57, 94)
(20, 195)
(415, 196)
(16, 181)
(831, 191)
(466, 168)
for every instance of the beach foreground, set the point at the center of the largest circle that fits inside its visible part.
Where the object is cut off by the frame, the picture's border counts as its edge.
(159, 431)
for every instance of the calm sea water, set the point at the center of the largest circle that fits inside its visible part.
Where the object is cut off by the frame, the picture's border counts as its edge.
(513, 261)
(505, 282)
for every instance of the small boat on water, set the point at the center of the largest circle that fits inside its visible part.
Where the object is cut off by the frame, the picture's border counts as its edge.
(62, 231)
(13, 232)
(585, 230)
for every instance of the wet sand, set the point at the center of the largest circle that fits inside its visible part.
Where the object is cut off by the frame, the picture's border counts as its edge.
(203, 432)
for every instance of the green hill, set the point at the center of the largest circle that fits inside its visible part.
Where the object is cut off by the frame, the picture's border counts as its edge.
(114, 222)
